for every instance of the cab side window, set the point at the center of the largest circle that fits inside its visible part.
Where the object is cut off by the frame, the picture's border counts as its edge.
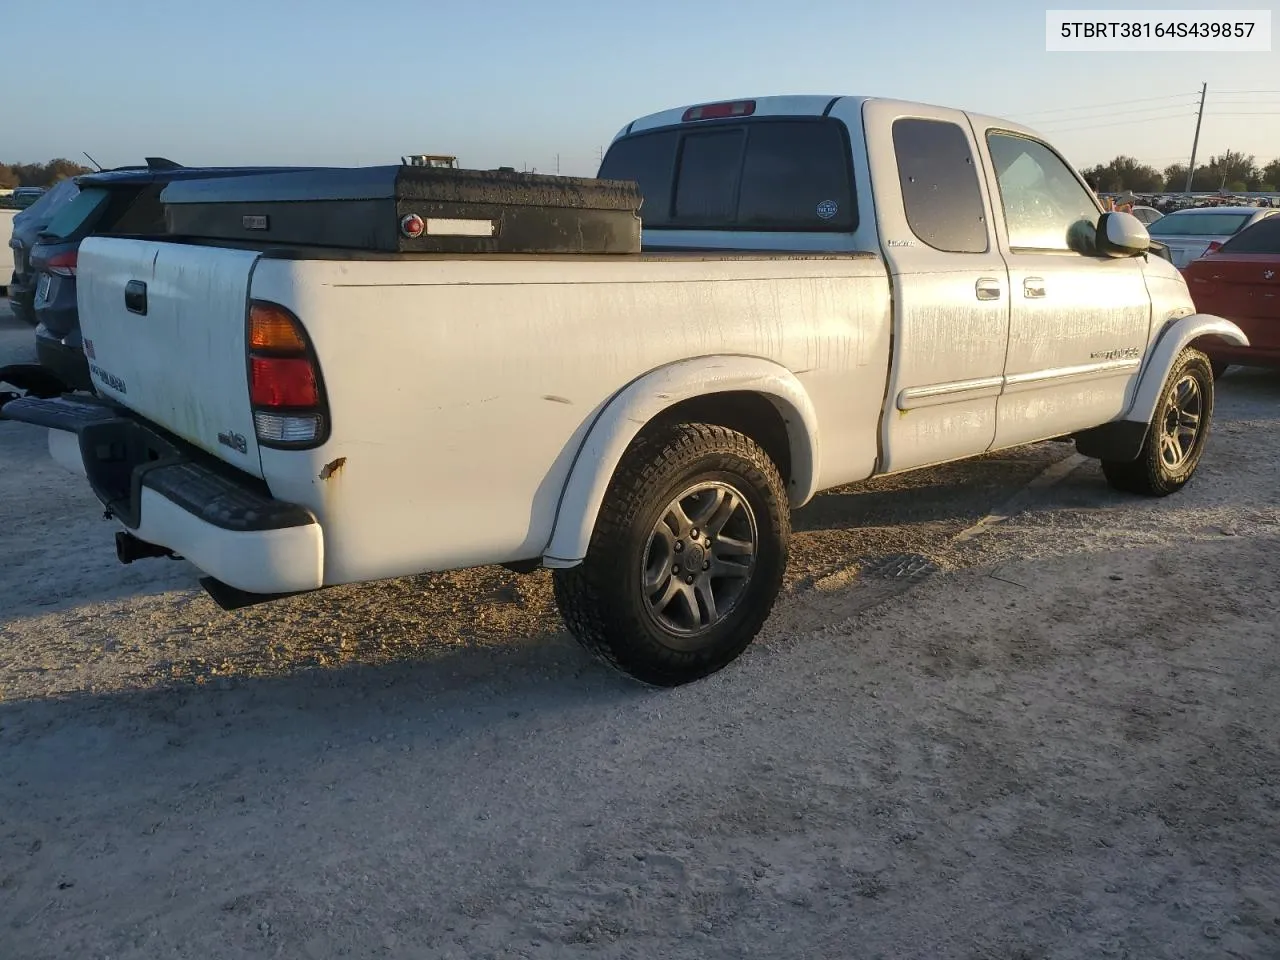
(940, 193)
(1046, 209)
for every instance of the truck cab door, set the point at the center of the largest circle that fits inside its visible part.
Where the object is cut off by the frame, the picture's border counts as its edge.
(950, 286)
(1079, 321)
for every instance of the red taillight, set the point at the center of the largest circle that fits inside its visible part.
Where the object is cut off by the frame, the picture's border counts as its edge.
(718, 111)
(1214, 247)
(282, 382)
(63, 264)
(285, 388)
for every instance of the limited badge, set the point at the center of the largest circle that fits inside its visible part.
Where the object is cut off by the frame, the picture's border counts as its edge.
(828, 209)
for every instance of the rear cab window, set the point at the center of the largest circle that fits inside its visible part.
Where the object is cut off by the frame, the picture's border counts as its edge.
(785, 174)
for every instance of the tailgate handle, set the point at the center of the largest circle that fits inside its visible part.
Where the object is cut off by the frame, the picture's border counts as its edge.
(135, 297)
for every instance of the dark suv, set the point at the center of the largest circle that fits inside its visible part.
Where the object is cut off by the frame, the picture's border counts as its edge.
(26, 227)
(113, 203)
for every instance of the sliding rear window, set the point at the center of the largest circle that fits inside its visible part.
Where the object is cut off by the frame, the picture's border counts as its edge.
(762, 174)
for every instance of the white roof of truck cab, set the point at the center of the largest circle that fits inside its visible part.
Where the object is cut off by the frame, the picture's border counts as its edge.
(794, 106)
(815, 105)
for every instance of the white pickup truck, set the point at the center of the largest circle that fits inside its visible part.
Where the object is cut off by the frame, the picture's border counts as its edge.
(832, 288)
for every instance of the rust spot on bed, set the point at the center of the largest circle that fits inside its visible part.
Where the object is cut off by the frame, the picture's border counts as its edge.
(332, 467)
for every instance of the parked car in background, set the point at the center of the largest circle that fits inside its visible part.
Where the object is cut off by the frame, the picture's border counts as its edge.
(26, 226)
(23, 197)
(1148, 215)
(1241, 282)
(6, 252)
(112, 203)
(1189, 234)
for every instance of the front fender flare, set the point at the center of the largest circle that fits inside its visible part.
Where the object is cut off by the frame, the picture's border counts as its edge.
(1171, 341)
(632, 408)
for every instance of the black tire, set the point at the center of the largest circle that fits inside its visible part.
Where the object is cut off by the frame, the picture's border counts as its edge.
(1218, 368)
(1157, 472)
(604, 600)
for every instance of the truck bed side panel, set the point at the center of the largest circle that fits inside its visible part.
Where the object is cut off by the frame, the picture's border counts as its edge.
(461, 391)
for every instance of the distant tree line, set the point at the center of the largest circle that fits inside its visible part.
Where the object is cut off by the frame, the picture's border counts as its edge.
(1232, 171)
(38, 174)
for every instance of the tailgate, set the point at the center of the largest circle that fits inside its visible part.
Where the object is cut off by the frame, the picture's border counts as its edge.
(164, 331)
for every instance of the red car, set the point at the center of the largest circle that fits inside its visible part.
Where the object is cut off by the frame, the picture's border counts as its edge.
(1241, 282)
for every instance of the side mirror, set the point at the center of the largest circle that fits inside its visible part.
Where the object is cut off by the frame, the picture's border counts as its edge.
(1122, 235)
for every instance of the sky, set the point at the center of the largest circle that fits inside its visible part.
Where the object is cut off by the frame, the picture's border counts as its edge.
(533, 85)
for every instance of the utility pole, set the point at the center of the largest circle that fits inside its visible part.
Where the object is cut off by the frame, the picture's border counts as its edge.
(599, 155)
(557, 164)
(1191, 167)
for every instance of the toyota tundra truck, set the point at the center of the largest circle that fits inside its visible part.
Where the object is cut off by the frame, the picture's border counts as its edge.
(830, 288)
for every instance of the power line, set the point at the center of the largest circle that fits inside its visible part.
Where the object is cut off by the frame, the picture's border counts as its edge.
(1122, 123)
(1103, 106)
(1117, 113)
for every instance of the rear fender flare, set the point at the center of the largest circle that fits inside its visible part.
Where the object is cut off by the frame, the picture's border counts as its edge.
(636, 405)
(1171, 341)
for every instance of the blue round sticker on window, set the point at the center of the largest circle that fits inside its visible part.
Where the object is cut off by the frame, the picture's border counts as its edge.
(828, 209)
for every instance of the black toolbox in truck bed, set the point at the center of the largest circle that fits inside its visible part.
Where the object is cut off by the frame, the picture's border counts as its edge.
(404, 209)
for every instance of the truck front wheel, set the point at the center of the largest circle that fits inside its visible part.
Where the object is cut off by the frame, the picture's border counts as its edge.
(686, 558)
(1176, 436)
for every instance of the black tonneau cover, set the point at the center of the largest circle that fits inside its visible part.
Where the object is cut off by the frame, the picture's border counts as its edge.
(403, 209)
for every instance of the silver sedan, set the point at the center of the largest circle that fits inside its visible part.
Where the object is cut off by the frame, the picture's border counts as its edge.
(1190, 234)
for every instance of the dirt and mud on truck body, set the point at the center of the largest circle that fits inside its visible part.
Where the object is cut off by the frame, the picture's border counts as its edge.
(319, 379)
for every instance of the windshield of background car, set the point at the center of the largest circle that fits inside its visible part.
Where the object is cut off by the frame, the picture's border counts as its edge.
(1199, 224)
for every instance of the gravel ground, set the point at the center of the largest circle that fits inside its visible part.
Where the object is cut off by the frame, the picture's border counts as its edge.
(1057, 740)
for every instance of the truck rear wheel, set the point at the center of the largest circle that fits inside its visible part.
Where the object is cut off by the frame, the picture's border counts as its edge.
(686, 558)
(1177, 433)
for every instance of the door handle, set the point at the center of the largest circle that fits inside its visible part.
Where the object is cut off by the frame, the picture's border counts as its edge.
(1033, 287)
(988, 288)
(135, 297)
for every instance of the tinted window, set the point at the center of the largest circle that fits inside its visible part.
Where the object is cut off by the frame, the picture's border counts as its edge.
(796, 173)
(762, 174)
(145, 214)
(1045, 207)
(1199, 224)
(940, 192)
(648, 159)
(1262, 237)
(707, 189)
(80, 214)
(120, 209)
